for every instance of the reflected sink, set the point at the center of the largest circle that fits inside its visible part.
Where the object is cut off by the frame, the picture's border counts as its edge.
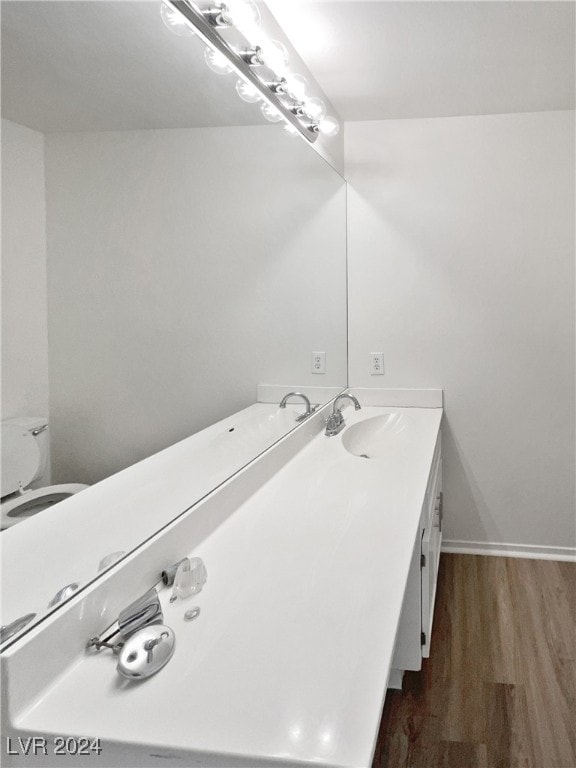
(377, 436)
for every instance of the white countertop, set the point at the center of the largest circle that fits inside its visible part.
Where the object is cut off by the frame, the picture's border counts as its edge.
(289, 660)
(66, 542)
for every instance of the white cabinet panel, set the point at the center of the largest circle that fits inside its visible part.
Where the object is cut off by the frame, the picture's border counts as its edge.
(415, 627)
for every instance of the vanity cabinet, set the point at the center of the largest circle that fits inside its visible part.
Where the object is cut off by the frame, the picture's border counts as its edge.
(415, 627)
(276, 513)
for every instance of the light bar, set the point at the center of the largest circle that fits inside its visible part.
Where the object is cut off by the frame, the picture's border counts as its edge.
(207, 32)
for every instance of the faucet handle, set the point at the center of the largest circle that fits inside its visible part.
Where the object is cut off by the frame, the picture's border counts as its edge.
(334, 423)
(307, 413)
(333, 420)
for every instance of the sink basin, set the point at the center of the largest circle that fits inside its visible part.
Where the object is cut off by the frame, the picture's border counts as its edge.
(377, 436)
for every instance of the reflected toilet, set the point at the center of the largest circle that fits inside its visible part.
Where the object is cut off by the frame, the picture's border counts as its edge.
(24, 458)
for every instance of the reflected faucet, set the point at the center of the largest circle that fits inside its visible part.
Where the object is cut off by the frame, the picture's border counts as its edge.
(64, 594)
(335, 422)
(309, 408)
(9, 630)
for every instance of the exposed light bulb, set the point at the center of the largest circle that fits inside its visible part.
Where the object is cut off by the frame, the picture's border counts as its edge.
(278, 87)
(273, 54)
(242, 14)
(174, 20)
(329, 126)
(248, 92)
(296, 86)
(290, 129)
(217, 62)
(271, 114)
(314, 108)
(110, 560)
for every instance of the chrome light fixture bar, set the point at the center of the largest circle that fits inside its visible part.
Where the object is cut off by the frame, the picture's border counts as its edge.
(207, 32)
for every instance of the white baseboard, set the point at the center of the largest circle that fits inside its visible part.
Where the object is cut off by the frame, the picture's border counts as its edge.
(534, 551)
(399, 398)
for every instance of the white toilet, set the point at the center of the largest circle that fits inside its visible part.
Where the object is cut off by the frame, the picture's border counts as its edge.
(24, 457)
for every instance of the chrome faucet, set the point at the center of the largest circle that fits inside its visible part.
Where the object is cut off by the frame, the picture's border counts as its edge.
(309, 408)
(335, 422)
(143, 612)
(141, 640)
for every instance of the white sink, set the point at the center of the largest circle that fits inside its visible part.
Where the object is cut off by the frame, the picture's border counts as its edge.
(378, 436)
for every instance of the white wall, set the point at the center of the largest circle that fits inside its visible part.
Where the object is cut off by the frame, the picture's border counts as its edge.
(185, 268)
(461, 260)
(24, 334)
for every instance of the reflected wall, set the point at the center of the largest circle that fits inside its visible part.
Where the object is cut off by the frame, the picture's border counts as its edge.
(184, 252)
(185, 268)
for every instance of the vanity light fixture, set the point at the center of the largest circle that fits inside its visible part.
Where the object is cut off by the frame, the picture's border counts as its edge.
(290, 130)
(314, 108)
(271, 54)
(296, 86)
(241, 14)
(279, 87)
(247, 92)
(217, 62)
(270, 113)
(283, 94)
(175, 21)
(329, 126)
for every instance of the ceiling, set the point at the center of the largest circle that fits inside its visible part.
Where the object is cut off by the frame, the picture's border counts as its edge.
(383, 59)
(103, 66)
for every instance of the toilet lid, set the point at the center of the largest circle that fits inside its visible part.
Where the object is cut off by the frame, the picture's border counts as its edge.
(20, 458)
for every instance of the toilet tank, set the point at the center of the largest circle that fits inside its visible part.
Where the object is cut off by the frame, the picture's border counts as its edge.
(27, 425)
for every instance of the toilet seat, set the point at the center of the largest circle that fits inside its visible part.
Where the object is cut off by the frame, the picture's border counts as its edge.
(20, 507)
(20, 457)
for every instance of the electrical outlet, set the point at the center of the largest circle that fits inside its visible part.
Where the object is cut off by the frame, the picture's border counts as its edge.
(318, 362)
(376, 363)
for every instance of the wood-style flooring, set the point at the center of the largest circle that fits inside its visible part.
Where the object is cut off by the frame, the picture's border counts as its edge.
(499, 690)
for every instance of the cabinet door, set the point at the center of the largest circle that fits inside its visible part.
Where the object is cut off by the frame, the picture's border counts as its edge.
(408, 651)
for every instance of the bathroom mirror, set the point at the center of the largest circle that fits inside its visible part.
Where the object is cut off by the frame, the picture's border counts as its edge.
(170, 258)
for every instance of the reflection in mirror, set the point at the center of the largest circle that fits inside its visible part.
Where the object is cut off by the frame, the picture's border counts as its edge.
(171, 263)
